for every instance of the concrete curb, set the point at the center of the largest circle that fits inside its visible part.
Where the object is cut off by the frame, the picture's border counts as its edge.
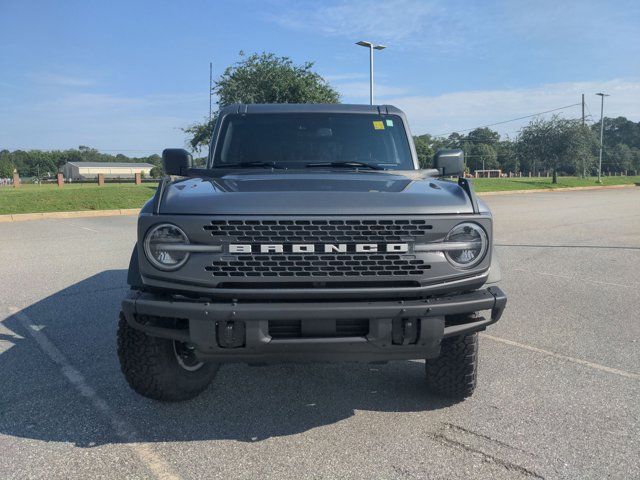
(565, 189)
(23, 217)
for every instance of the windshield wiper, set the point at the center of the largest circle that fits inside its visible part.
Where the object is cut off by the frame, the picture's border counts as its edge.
(345, 164)
(248, 165)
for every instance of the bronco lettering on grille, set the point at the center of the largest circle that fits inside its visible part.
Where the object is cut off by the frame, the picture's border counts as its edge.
(320, 248)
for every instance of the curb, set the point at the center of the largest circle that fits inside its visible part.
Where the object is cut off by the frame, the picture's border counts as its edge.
(23, 217)
(570, 189)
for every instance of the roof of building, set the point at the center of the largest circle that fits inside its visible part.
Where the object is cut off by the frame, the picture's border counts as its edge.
(111, 164)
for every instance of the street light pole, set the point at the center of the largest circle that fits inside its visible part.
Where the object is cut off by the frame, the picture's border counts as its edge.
(371, 47)
(602, 95)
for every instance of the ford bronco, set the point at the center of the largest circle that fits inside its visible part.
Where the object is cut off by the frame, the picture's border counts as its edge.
(311, 234)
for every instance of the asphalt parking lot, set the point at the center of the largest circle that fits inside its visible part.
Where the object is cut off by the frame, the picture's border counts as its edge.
(559, 380)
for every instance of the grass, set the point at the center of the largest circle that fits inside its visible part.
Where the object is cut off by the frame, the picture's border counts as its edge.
(51, 198)
(71, 197)
(526, 183)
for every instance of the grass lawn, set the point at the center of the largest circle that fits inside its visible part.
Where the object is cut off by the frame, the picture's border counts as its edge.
(526, 183)
(51, 198)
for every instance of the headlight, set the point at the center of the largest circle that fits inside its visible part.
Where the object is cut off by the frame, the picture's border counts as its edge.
(164, 246)
(473, 245)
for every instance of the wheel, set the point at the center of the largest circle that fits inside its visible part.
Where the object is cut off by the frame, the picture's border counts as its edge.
(454, 373)
(159, 368)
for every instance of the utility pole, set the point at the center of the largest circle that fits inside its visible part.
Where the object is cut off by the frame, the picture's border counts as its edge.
(584, 169)
(602, 95)
(210, 86)
(371, 48)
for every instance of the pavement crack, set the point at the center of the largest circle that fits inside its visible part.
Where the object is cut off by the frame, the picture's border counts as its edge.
(486, 437)
(507, 465)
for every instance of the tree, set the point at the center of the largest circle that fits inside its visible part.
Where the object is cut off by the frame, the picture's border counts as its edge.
(556, 144)
(484, 135)
(6, 167)
(264, 78)
(507, 156)
(619, 158)
(200, 134)
(484, 156)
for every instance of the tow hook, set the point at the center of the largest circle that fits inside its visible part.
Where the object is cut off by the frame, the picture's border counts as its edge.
(230, 333)
(404, 331)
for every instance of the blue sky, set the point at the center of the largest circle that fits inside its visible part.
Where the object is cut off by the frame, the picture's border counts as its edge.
(127, 75)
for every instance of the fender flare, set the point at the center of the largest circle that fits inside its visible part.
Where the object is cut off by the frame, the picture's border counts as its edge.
(133, 275)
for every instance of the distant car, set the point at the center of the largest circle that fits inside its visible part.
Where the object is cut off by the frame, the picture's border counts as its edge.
(310, 235)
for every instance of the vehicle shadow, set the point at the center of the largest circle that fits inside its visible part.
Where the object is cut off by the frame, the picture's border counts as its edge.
(41, 399)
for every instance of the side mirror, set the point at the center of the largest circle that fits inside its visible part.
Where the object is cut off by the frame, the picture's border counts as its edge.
(176, 161)
(450, 163)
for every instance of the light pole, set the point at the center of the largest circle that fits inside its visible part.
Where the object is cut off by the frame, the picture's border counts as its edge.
(371, 47)
(602, 95)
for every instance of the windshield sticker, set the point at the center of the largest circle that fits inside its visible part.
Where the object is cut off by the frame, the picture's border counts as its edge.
(378, 125)
(389, 122)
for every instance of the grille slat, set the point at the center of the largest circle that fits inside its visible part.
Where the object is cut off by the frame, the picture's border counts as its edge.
(330, 266)
(329, 231)
(344, 328)
(365, 231)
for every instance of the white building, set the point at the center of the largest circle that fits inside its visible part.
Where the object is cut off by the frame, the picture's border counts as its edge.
(90, 170)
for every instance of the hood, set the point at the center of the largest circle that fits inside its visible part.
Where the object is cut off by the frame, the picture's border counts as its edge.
(319, 192)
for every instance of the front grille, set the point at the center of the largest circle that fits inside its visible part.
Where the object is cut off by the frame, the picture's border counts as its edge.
(325, 231)
(295, 329)
(342, 265)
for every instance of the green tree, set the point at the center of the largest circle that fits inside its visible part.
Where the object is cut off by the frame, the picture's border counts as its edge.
(556, 144)
(619, 158)
(6, 167)
(484, 135)
(484, 156)
(507, 156)
(264, 78)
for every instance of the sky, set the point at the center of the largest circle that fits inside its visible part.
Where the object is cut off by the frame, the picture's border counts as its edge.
(127, 76)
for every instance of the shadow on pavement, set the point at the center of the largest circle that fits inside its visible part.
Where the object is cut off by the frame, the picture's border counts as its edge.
(243, 403)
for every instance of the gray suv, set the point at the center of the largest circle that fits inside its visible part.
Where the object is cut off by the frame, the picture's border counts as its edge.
(311, 234)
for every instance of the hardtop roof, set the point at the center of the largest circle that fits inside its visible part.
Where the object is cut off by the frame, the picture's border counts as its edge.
(310, 108)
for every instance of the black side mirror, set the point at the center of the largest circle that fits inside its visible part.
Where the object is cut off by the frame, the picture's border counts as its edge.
(176, 161)
(450, 163)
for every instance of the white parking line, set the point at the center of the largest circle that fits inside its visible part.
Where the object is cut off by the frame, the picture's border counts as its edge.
(596, 366)
(156, 464)
(80, 226)
(567, 277)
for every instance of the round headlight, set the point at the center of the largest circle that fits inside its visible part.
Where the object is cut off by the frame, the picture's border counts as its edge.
(164, 247)
(473, 242)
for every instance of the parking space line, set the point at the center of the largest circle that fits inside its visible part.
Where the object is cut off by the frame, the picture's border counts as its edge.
(80, 226)
(549, 353)
(155, 463)
(567, 277)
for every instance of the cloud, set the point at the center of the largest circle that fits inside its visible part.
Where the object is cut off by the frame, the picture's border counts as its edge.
(459, 111)
(135, 125)
(360, 90)
(55, 79)
(338, 77)
(386, 21)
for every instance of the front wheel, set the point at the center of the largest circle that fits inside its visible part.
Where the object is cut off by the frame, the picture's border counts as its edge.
(159, 368)
(454, 373)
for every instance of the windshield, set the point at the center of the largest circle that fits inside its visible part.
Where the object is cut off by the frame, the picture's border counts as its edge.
(289, 140)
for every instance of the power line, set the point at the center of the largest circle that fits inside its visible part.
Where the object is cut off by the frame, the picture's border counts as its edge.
(508, 121)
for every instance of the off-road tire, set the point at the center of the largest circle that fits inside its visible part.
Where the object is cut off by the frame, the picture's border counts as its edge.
(150, 367)
(454, 373)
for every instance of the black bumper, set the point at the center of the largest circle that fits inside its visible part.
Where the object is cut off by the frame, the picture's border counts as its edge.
(240, 331)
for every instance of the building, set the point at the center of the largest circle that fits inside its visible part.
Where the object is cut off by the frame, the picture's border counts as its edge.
(90, 170)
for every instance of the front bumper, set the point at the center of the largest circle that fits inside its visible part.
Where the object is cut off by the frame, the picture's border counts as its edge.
(233, 331)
